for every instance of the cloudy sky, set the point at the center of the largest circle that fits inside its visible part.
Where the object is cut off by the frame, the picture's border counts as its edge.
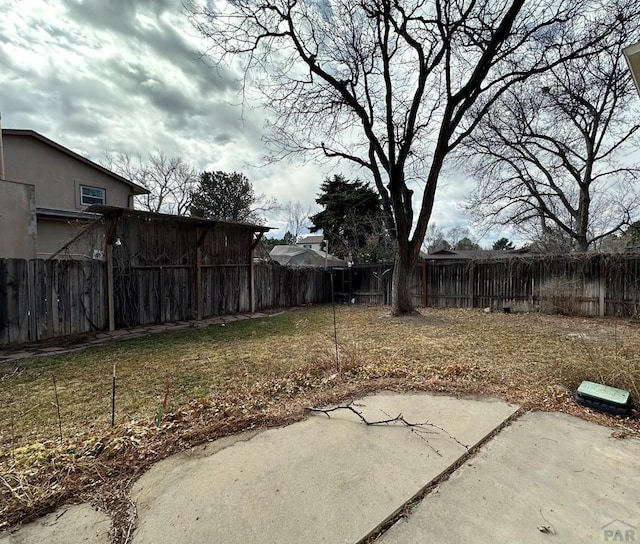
(125, 76)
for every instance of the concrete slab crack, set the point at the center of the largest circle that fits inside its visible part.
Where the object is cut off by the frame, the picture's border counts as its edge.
(404, 511)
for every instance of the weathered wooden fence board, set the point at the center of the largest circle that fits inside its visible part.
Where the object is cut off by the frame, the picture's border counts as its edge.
(281, 286)
(591, 284)
(160, 294)
(226, 290)
(580, 285)
(42, 299)
(14, 311)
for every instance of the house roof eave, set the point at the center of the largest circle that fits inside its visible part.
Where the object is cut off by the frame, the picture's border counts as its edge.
(135, 188)
(62, 214)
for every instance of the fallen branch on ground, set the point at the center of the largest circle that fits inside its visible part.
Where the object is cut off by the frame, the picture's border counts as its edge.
(414, 427)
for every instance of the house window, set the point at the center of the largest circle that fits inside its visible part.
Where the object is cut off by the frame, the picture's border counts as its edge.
(92, 195)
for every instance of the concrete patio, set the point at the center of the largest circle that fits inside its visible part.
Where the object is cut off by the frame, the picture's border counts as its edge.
(544, 477)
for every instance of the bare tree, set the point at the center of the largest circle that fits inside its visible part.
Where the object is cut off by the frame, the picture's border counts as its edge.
(549, 154)
(457, 237)
(169, 180)
(456, 234)
(434, 239)
(297, 217)
(390, 85)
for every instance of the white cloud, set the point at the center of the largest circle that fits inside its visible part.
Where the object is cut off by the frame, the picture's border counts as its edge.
(126, 76)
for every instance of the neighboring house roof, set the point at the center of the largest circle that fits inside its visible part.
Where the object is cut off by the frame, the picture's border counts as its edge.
(135, 188)
(445, 254)
(300, 256)
(310, 239)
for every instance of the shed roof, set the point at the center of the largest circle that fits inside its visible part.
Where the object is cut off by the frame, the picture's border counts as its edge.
(135, 188)
(113, 211)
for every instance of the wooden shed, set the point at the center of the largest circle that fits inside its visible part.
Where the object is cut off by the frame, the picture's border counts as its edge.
(163, 268)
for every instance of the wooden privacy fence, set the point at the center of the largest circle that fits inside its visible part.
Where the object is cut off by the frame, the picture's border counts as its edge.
(42, 299)
(371, 284)
(158, 268)
(588, 284)
(162, 294)
(283, 287)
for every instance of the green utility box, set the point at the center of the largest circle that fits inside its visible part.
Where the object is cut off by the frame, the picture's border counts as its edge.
(604, 398)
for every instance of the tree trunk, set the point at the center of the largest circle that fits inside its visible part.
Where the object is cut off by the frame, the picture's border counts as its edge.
(582, 242)
(401, 303)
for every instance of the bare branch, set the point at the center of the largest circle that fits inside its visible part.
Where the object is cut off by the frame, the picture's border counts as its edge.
(415, 427)
(394, 86)
(549, 149)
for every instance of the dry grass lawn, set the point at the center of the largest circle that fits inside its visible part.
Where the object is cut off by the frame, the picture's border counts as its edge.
(260, 372)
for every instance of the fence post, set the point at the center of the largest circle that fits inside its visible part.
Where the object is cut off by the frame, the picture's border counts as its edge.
(110, 241)
(252, 271)
(198, 286)
(200, 236)
(470, 279)
(424, 282)
(602, 285)
(32, 285)
(110, 298)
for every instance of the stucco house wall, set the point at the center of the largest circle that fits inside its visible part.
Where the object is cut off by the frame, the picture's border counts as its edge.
(18, 230)
(57, 177)
(65, 185)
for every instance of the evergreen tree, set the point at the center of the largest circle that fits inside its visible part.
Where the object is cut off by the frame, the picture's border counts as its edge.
(287, 240)
(351, 217)
(467, 243)
(503, 244)
(228, 197)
